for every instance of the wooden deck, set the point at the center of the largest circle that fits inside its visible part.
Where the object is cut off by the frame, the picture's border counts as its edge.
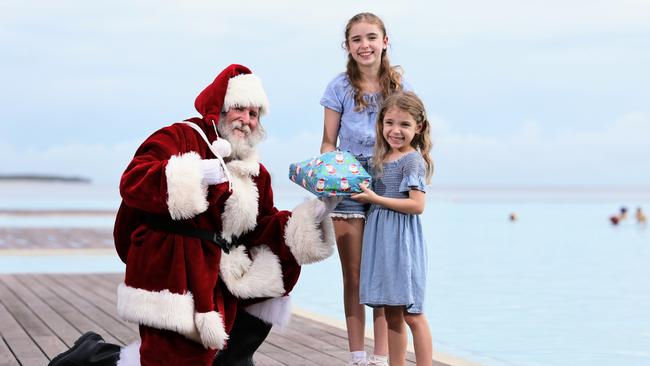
(42, 315)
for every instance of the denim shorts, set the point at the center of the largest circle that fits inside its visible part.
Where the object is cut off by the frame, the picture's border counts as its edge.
(349, 208)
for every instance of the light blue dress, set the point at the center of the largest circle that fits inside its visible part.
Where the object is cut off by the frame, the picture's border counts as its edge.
(357, 128)
(394, 258)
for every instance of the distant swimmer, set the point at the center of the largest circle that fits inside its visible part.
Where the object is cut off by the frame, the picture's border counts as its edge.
(513, 217)
(623, 214)
(618, 218)
(641, 218)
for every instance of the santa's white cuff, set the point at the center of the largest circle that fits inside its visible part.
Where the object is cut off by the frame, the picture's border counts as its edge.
(211, 329)
(275, 311)
(308, 240)
(171, 311)
(186, 193)
(248, 278)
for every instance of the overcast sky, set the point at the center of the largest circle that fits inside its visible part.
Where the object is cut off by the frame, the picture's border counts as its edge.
(531, 93)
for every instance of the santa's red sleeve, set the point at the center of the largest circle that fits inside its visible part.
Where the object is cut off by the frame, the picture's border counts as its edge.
(165, 175)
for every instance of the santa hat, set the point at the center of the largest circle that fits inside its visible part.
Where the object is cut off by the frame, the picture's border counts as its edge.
(235, 86)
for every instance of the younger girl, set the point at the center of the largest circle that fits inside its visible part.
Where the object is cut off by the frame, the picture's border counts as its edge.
(393, 261)
(351, 103)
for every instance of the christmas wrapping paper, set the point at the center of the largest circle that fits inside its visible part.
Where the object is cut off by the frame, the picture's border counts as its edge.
(335, 173)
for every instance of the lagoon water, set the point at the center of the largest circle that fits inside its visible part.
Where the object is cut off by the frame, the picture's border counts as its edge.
(560, 286)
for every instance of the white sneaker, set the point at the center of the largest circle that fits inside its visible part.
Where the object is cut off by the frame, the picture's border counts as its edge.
(377, 361)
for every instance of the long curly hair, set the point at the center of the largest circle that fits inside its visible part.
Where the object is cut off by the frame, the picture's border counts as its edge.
(390, 77)
(408, 102)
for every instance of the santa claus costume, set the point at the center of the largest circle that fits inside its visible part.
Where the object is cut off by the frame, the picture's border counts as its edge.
(198, 254)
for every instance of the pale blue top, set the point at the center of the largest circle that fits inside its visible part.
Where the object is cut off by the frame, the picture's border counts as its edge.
(357, 129)
(394, 256)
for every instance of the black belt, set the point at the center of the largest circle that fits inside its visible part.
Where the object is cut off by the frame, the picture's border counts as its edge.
(166, 225)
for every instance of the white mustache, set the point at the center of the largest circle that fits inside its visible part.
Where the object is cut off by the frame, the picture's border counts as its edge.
(240, 126)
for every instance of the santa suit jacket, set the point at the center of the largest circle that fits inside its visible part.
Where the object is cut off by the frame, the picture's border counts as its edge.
(190, 286)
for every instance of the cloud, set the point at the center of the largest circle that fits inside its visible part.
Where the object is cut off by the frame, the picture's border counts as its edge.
(95, 74)
(99, 162)
(530, 19)
(616, 154)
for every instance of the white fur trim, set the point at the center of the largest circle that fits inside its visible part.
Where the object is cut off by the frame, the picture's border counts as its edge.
(249, 166)
(240, 212)
(276, 311)
(246, 90)
(234, 264)
(211, 336)
(308, 241)
(246, 278)
(130, 355)
(169, 311)
(161, 310)
(186, 195)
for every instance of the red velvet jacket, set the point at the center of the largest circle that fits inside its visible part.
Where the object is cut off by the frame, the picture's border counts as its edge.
(190, 286)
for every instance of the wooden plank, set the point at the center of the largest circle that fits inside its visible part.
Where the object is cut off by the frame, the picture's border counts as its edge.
(103, 286)
(61, 306)
(284, 356)
(64, 308)
(84, 303)
(102, 298)
(261, 359)
(18, 341)
(6, 357)
(109, 279)
(298, 347)
(303, 337)
(25, 314)
(59, 325)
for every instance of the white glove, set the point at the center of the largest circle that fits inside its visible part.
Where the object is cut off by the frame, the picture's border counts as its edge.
(325, 206)
(212, 172)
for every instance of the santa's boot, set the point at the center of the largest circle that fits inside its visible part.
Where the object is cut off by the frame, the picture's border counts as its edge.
(246, 336)
(90, 349)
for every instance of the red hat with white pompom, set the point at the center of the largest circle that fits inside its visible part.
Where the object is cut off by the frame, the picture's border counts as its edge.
(235, 86)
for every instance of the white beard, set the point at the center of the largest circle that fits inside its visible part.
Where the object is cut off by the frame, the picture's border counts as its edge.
(242, 147)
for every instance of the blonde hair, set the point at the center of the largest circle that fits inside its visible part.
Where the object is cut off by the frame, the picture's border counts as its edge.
(390, 77)
(408, 102)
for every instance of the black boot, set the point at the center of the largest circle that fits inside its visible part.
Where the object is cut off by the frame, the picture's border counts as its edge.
(246, 336)
(90, 349)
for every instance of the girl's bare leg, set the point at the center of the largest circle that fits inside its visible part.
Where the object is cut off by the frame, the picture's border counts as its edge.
(349, 235)
(380, 330)
(421, 338)
(396, 335)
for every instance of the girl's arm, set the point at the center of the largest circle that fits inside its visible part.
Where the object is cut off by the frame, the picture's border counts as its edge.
(330, 130)
(413, 205)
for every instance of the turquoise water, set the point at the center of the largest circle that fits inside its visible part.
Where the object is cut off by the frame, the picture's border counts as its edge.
(560, 286)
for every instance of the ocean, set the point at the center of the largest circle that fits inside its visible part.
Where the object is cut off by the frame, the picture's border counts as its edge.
(558, 286)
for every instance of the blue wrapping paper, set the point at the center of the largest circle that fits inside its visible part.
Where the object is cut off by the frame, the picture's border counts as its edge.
(335, 173)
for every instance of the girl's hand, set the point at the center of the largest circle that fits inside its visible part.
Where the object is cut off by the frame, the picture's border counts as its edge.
(368, 196)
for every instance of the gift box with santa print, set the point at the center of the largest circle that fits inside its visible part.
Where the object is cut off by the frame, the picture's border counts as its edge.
(335, 173)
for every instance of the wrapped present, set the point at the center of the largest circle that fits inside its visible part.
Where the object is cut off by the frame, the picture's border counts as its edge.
(335, 173)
